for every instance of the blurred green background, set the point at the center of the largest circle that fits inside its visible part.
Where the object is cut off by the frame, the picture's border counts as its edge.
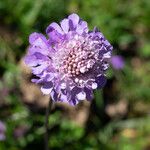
(119, 116)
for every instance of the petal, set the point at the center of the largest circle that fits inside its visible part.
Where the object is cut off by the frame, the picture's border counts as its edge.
(49, 76)
(47, 88)
(37, 81)
(95, 29)
(54, 37)
(75, 91)
(30, 60)
(81, 96)
(54, 95)
(39, 69)
(65, 25)
(74, 18)
(107, 55)
(94, 85)
(34, 36)
(106, 43)
(71, 25)
(54, 26)
(34, 49)
(101, 81)
(73, 102)
(63, 85)
(39, 42)
(35, 59)
(89, 93)
(82, 27)
(39, 45)
(40, 56)
(64, 98)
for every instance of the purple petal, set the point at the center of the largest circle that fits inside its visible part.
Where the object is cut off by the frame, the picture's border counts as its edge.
(54, 95)
(75, 91)
(101, 81)
(78, 94)
(34, 49)
(95, 29)
(65, 25)
(64, 98)
(82, 27)
(54, 37)
(106, 43)
(34, 36)
(74, 19)
(40, 45)
(38, 81)
(81, 96)
(40, 56)
(89, 93)
(31, 60)
(73, 102)
(35, 59)
(39, 69)
(54, 26)
(47, 88)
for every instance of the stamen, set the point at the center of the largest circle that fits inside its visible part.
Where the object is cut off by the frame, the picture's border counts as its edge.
(76, 56)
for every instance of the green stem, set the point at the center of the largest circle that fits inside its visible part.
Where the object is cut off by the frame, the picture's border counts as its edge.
(48, 110)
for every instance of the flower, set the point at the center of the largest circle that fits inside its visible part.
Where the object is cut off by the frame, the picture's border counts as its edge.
(117, 62)
(71, 62)
(2, 131)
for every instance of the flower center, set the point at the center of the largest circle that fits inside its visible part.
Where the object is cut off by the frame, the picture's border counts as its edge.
(76, 56)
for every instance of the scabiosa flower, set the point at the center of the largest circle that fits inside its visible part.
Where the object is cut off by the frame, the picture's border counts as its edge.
(71, 62)
(117, 62)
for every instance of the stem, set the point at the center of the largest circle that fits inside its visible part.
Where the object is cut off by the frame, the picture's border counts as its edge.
(48, 110)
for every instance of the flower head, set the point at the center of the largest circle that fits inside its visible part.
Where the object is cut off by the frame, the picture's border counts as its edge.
(71, 62)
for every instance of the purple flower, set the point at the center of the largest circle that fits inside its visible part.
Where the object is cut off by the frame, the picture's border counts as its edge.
(117, 62)
(2, 131)
(71, 62)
